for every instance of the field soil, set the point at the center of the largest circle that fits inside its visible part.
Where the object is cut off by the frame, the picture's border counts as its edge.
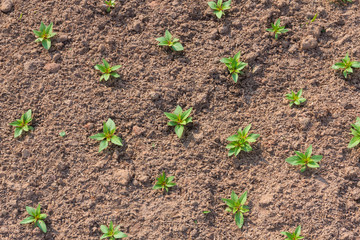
(81, 189)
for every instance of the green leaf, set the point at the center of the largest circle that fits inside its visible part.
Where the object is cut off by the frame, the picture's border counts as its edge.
(168, 35)
(179, 129)
(41, 224)
(161, 40)
(243, 198)
(120, 235)
(27, 116)
(106, 64)
(186, 114)
(298, 231)
(31, 211)
(116, 140)
(252, 137)
(316, 158)
(338, 66)
(313, 164)
(303, 168)
(103, 144)
(18, 132)
(62, 134)
(355, 64)
(177, 47)
(27, 220)
(235, 77)
(99, 136)
(294, 160)
(49, 28)
(289, 235)
(247, 129)
(301, 155)
(100, 68)
(178, 110)
(114, 68)
(172, 116)
(212, 5)
(42, 27)
(37, 210)
(16, 123)
(239, 219)
(42, 216)
(104, 229)
(233, 138)
(46, 43)
(111, 125)
(218, 14)
(229, 202)
(308, 152)
(354, 142)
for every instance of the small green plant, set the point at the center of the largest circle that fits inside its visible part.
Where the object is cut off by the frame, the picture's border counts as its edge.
(234, 66)
(62, 134)
(44, 35)
(206, 212)
(179, 119)
(277, 29)
(107, 71)
(241, 141)
(236, 206)
(346, 65)
(111, 232)
(305, 160)
(110, 4)
(35, 218)
(164, 182)
(107, 135)
(356, 132)
(295, 98)
(22, 124)
(174, 44)
(295, 235)
(220, 7)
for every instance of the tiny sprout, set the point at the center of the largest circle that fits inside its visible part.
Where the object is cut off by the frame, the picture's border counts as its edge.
(277, 29)
(62, 134)
(305, 160)
(22, 124)
(36, 218)
(179, 119)
(206, 212)
(107, 70)
(356, 132)
(110, 4)
(241, 141)
(236, 206)
(44, 35)
(220, 7)
(295, 235)
(107, 135)
(168, 41)
(111, 232)
(164, 182)
(234, 66)
(295, 98)
(346, 65)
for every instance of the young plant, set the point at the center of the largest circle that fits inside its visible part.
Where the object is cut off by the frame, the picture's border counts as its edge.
(110, 4)
(241, 141)
(295, 98)
(346, 65)
(305, 160)
(44, 35)
(107, 135)
(356, 132)
(277, 29)
(107, 71)
(22, 124)
(174, 44)
(295, 235)
(164, 182)
(236, 206)
(35, 218)
(220, 7)
(112, 233)
(179, 119)
(234, 66)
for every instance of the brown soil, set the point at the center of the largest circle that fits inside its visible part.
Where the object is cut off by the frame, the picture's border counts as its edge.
(81, 189)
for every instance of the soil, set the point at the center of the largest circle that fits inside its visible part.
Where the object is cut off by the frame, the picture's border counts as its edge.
(81, 189)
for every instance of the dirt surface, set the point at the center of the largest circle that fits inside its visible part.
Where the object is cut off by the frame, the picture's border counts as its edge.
(81, 189)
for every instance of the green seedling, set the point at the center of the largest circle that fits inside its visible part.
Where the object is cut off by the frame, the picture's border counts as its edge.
(241, 141)
(356, 132)
(206, 212)
(220, 7)
(174, 44)
(62, 134)
(236, 206)
(112, 233)
(164, 182)
(346, 65)
(305, 160)
(234, 66)
(277, 29)
(22, 124)
(110, 4)
(107, 135)
(107, 71)
(179, 119)
(295, 235)
(44, 35)
(295, 98)
(35, 218)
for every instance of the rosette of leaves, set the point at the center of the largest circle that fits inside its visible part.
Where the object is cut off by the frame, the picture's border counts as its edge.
(111, 233)
(22, 124)
(107, 71)
(179, 119)
(241, 141)
(219, 7)
(305, 160)
(236, 205)
(36, 218)
(346, 65)
(168, 40)
(108, 135)
(44, 34)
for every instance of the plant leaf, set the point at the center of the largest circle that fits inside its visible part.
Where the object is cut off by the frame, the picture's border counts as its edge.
(116, 140)
(41, 224)
(103, 144)
(179, 129)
